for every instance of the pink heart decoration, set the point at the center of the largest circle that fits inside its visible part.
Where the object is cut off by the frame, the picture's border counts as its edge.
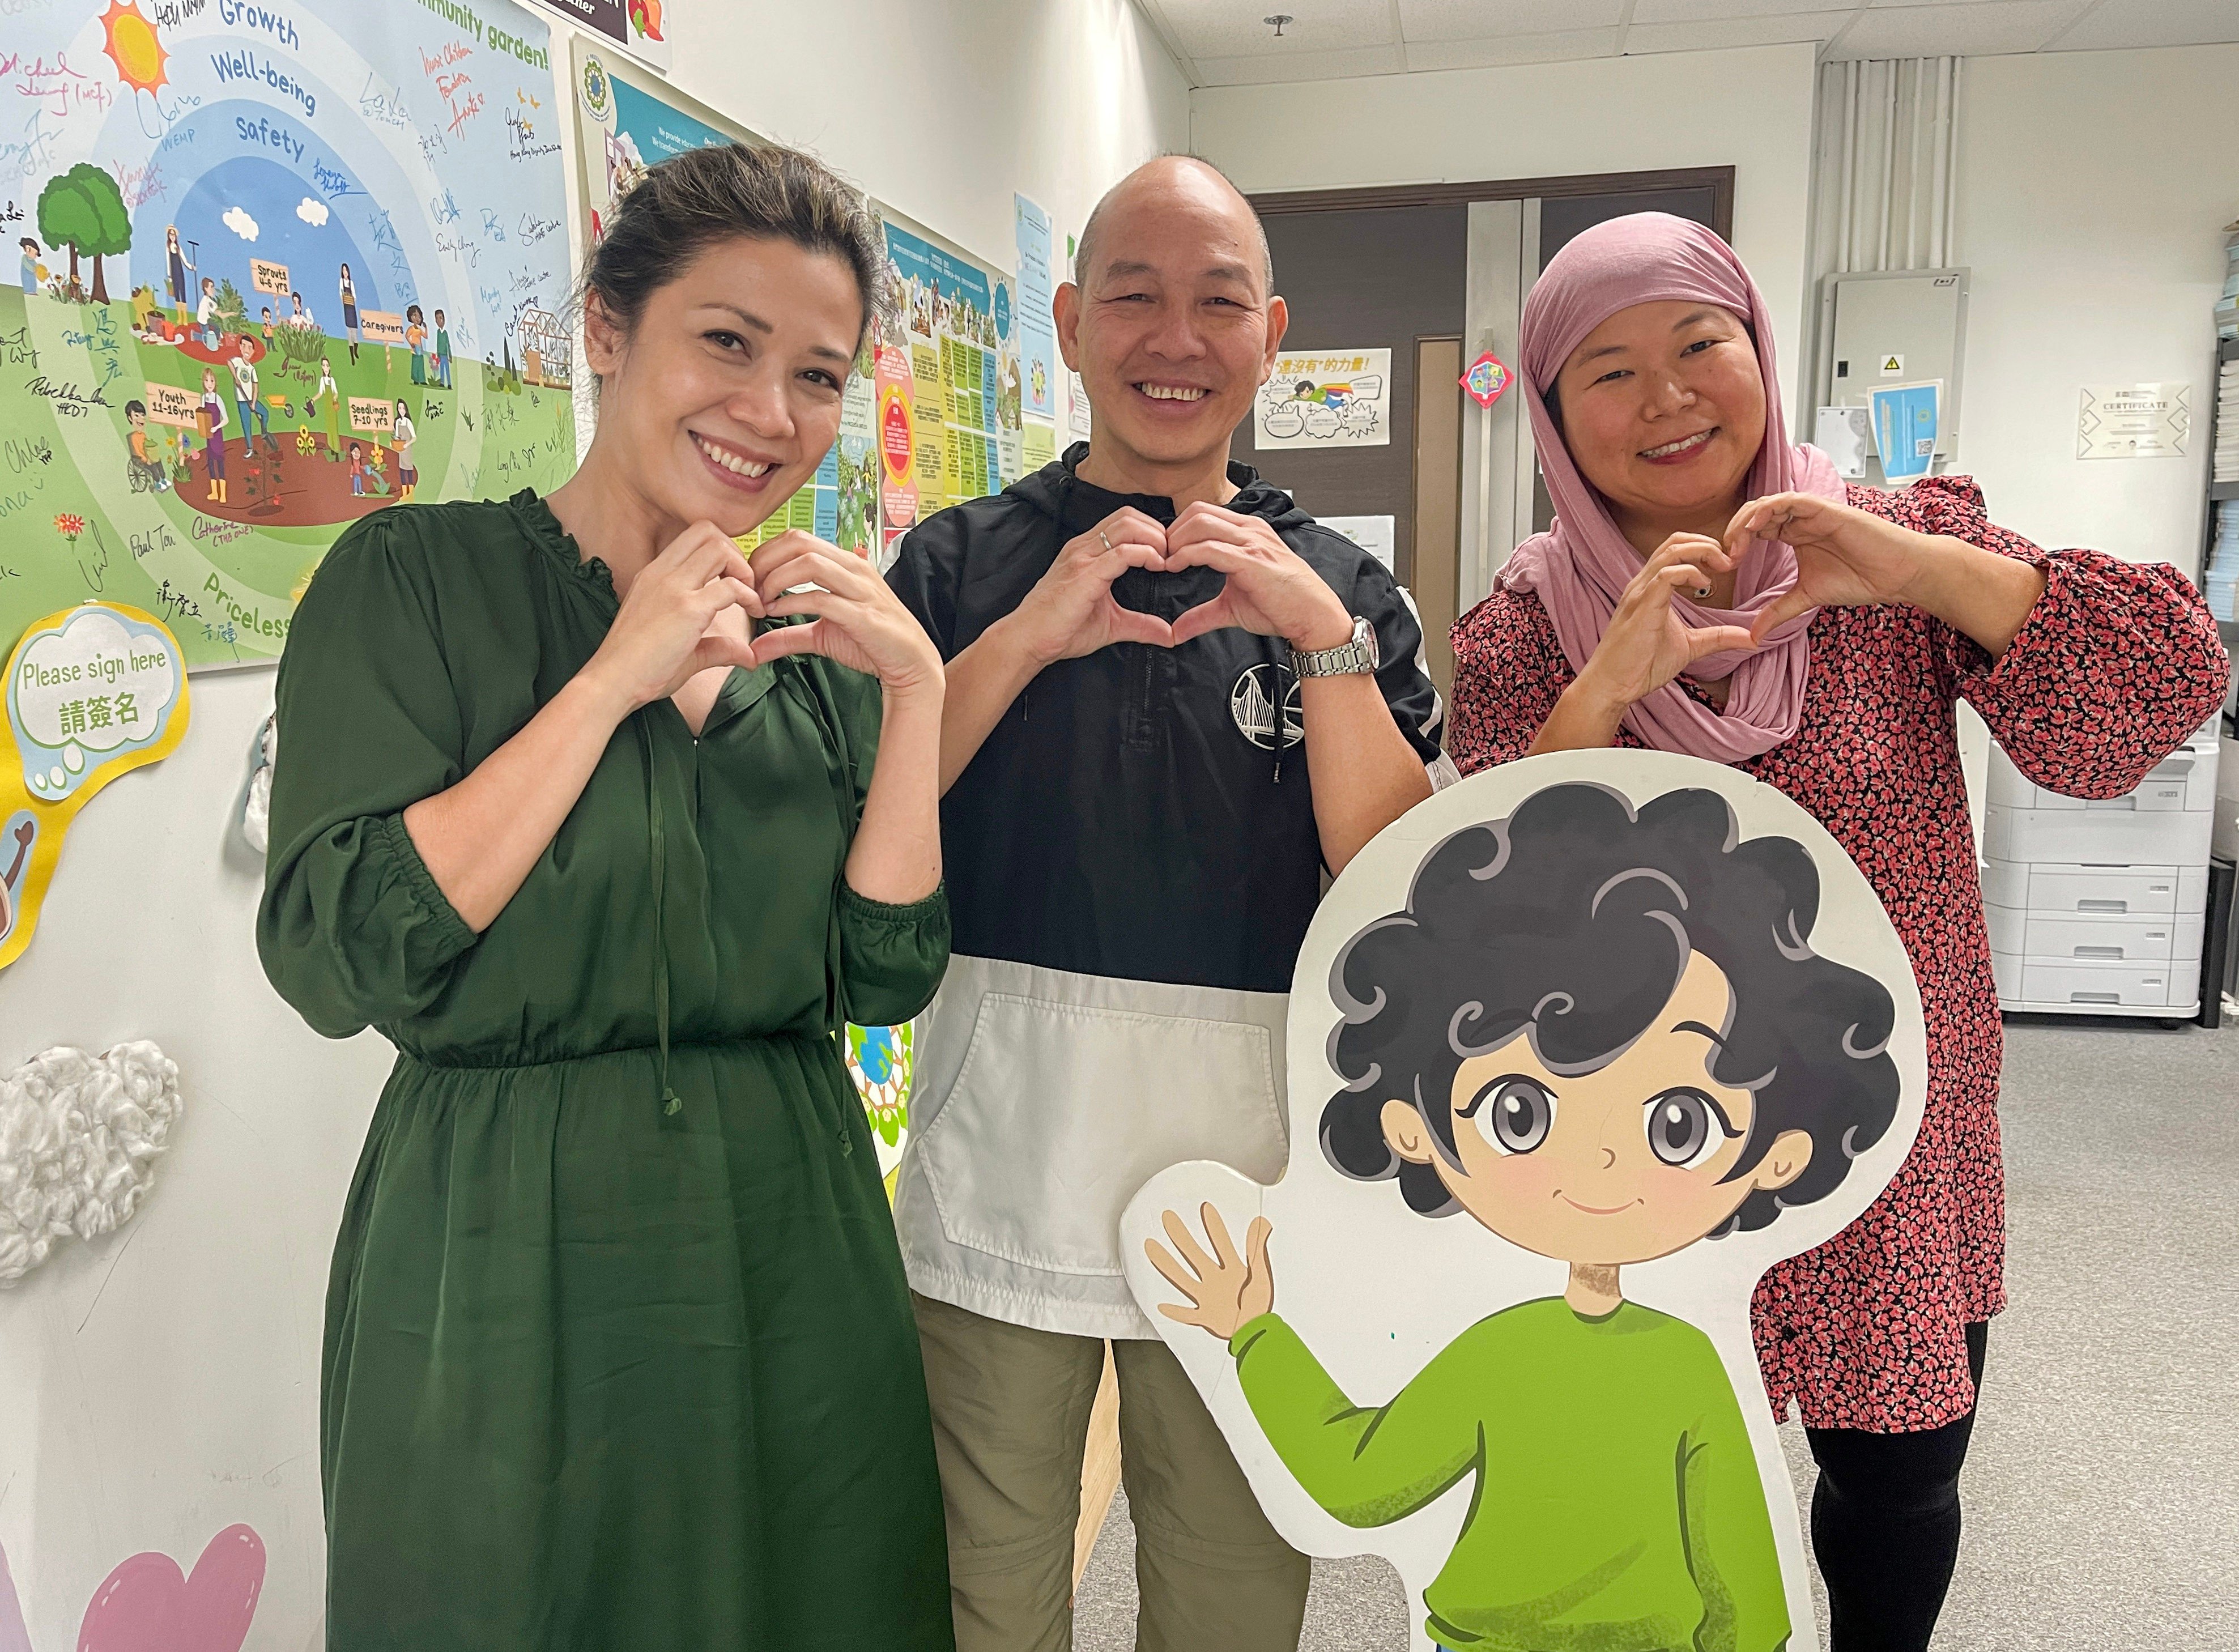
(13, 1637)
(146, 1606)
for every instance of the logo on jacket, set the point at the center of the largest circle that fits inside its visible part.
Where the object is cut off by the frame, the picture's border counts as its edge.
(1259, 690)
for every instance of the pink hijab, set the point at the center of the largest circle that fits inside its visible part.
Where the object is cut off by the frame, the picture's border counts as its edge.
(1582, 566)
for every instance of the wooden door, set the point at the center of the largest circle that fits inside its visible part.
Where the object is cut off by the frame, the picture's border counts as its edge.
(1438, 501)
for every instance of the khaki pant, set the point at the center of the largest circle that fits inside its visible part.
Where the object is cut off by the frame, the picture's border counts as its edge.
(1010, 1426)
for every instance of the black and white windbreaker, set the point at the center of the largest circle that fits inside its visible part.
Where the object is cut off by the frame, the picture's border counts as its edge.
(1131, 862)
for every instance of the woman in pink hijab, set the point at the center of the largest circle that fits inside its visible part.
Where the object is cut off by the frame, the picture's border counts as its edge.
(1709, 587)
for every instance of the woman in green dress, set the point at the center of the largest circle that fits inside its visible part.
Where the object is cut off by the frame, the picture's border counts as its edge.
(609, 829)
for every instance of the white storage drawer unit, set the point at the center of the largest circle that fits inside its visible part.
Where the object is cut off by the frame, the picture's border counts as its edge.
(2102, 941)
(2097, 906)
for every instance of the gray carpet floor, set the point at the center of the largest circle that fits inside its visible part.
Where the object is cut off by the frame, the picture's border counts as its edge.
(2103, 1489)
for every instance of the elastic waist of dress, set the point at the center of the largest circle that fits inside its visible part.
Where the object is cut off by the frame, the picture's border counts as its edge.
(651, 1051)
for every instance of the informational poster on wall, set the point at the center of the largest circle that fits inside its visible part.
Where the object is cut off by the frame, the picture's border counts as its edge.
(944, 386)
(881, 1062)
(280, 268)
(1326, 399)
(1038, 357)
(1907, 418)
(1076, 393)
(625, 121)
(638, 27)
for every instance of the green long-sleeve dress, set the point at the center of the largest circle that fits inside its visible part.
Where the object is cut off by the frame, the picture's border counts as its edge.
(619, 1352)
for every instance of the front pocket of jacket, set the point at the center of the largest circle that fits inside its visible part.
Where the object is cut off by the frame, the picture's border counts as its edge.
(1060, 1112)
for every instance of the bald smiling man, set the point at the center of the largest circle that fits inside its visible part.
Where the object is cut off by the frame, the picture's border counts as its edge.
(1173, 700)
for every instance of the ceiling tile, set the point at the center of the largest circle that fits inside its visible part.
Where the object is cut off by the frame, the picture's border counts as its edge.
(1426, 20)
(1512, 48)
(2154, 23)
(1719, 10)
(1233, 28)
(1733, 31)
(1983, 28)
(1300, 66)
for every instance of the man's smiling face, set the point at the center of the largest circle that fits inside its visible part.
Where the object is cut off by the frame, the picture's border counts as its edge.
(1171, 326)
(1622, 1165)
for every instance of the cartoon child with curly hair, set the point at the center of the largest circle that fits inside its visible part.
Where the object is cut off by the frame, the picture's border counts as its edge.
(1605, 1037)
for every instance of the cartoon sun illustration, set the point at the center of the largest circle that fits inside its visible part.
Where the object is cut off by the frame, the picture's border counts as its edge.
(130, 40)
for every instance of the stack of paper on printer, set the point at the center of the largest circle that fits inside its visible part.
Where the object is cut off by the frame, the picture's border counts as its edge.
(2226, 423)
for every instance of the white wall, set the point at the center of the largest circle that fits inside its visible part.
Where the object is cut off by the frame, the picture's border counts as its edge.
(942, 108)
(2092, 192)
(1749, 110)
(162, 1384)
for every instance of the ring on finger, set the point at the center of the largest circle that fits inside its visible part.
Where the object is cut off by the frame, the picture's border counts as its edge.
(1105, 537)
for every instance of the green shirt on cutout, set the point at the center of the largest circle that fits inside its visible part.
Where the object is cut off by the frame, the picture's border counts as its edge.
(1617, 1507)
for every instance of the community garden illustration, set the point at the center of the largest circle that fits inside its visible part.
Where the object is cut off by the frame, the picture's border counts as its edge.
(277, 267)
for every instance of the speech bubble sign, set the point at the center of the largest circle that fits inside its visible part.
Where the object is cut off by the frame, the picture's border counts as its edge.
(86, 687)
(102, 651)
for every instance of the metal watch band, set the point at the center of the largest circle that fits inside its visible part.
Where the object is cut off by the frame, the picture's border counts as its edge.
(1354, 657)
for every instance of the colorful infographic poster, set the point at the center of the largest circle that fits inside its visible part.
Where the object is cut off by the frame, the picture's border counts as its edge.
(626, 121)
(957, 320)
(281, 266)
(1326, 399)
(1037, 356)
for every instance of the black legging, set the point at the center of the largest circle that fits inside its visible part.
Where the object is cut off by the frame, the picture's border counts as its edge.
(1885, 1525)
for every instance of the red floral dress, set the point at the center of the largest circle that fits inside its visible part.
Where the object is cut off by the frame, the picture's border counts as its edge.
(2117, 664)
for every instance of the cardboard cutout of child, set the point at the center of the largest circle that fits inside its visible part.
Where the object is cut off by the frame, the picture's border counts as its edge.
(1643, 1021)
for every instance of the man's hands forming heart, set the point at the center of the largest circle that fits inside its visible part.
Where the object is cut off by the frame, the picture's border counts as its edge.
(1269, 589)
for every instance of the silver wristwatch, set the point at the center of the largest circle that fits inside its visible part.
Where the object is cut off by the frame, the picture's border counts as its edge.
(1355, 657)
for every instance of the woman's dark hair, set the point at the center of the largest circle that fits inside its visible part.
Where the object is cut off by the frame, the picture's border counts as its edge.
(681, 206)
(1570, 923)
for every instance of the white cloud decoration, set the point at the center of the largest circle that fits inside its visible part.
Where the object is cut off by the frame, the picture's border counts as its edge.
(237, 220)
(79, 1137)
(313, 211)
(256, 810)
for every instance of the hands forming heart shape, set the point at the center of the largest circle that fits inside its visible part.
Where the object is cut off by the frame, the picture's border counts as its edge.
(1267, 588)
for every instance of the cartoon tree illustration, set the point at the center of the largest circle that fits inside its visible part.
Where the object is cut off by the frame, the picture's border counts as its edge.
(83, 210)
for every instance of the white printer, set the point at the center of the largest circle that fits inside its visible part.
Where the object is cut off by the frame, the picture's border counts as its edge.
(2097, 907)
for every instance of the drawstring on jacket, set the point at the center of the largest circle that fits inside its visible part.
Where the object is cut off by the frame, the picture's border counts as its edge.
(669, 1104)
(1282, 703)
